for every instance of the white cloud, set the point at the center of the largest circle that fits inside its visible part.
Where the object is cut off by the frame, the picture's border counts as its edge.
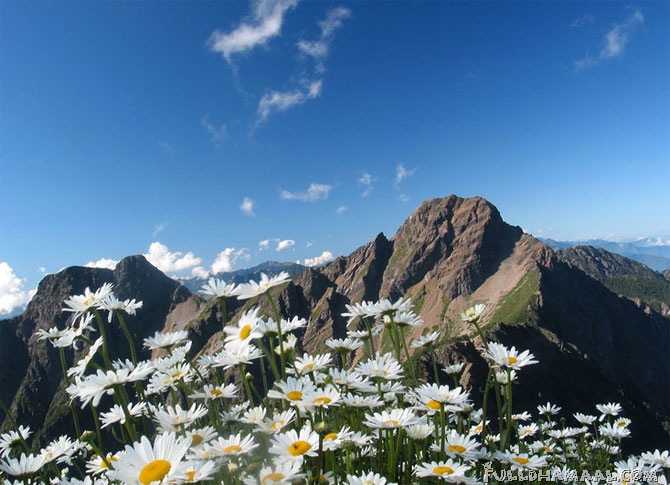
(266, 23)
(13, 296)
(582, 21)
(217, 133)
(403, 198)
(402, 173)
(614, 41)
(158, 228)
(264, 244)
(247, 206)
(285, 244)
(170, 262)
(200, 272)
(102, 263)
(318, 49)
(367, 181)
(225, 261)
(313, 193)
(42, 269)
(278, 101)
(341, 210)
(325, 257)
(309, 244)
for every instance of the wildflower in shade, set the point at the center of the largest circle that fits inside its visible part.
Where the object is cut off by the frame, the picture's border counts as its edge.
(284, 473)
(424, 340)
(548, 409)
(344, 345)
(501, 356)
(217, 288)
(311, 363)
(294, 445)
(245, 330)
(660, 458)
(453, 368)
(382, 366)
(449, 471)
(111, 304)
(473, 313)
(196, 471)
(367, 479)
(253, 289)
(613, 431)
(524, 416)
(233, 445)
(162, 340)
(145, 463)
(211, 391)
(13, 438)
(609, 409)
(174, 418)
(116, 414)
(80, 304)
(585, 418)
(527, 431)
(391, 419)
(23, 467)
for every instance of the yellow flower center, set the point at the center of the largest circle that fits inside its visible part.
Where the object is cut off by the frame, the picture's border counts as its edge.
(479, 428)
(456, 448)
(273, 477)
(277, 425)
(299, 448)
(392, 423)
(443, 470)
(511, 360)
(154, 471)
(520, 460)
(330, 437)
(216, 392)
(196, 439)
(245, 331)
(109, 459)
(294, 395)
(231, 449)
(190, 475)
(434, 405)
(309, 367)
(322, 401)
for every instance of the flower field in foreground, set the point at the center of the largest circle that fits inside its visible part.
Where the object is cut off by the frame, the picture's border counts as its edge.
(357, 414)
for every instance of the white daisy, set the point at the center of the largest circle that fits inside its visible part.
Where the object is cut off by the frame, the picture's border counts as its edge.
(252, 288)
(161, 340)
(501, 356)
(218, 288)
(295, 446)
(450, 471)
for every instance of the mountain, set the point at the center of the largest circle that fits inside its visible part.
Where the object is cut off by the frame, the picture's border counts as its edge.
(594, 346)
(647, 288)
(654, 252)
(666, 273)
(243, 275)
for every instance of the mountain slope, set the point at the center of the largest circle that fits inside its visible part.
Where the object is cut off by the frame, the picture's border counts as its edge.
(623, 276)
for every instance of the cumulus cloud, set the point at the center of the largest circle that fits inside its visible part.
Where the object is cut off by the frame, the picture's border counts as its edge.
(614, 42)
(318, 49)
(227, 259)
(402, 173)
(278, 101)
(285, 244)
(323, 258)
(102, 263)
(367, 181)
(313, 193)
(170, 262)
(266, 22)
(247, 206)
(200, 272)
(13, 295)
(217, 133)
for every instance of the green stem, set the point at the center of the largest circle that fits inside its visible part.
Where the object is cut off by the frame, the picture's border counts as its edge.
(105, 345)
(128, 335)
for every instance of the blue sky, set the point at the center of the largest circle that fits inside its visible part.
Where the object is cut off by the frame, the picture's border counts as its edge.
(124, 124)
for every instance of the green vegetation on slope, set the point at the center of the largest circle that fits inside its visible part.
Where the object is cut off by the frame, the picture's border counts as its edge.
(515, 306)
(652, 291)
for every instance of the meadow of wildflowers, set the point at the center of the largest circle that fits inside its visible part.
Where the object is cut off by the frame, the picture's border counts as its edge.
(261, 411)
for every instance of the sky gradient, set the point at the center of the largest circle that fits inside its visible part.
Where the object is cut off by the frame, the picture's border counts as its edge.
(215, 135)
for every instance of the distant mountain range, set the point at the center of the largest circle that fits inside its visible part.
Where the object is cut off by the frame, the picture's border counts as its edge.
(654, 252)
(244, 275)
(585, 313)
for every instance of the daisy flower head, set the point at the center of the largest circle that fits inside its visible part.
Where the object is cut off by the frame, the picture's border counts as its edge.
(253, 288)
(311, 363)
(145, 463)
(117, 415)
(336, 439)
(245, 330)
(235, 354)
(287, 345)
(217, 288)
(656, 457)
(425, 340)
(89, 300)
(111, 303)
(613, 431)
(285, 472)
(461, 446)
(292, 390)
(388, 308)
(13, 438)
(521, 461)
(201, 436)
(472, 314)
(370, 478)
(278, 422)
(586, 419)
(322, 398)
(501, 356)
(162, 340)
(212, 391)
(391, 419)
(381, 366)
(174, 418)
(450, 471)
(609, 409)
(406, 318)
(196, 471)
(548, 409)
(233, 445)
(294, 445)
(344, 345)
(420, 431)
(453, 368)
(23, 466)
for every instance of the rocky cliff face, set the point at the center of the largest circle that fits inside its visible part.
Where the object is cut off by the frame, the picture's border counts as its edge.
(648, 289)
(666, 273)
(451, 252)
(30, 372)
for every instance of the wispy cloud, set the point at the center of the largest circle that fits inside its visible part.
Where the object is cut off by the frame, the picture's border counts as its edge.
(217, 133)
(367, 181)
(106, 263)
(614, 41)
(264, 244)
(402, 173)
(266, 23)
(13, 295)
(285, 244)
(323, 258)
(313, 193)
(341, 210)
(158, 228)
(582, 21)
(318, 49)
(247, 207)
(227, 259)
(278, 101)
